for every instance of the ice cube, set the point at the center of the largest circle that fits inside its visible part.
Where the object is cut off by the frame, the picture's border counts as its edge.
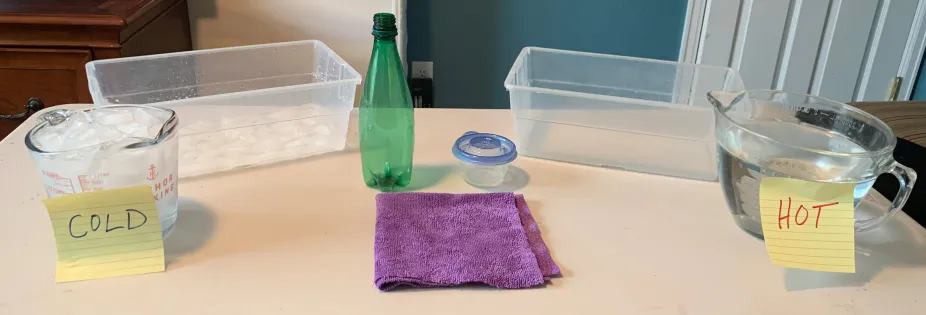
(78, 120)
(112, 127)
(232, 134)
(308, 122)
(296, 112)
(147, 122)
(149, 116)
(284, 127)
(250, 138)
(48, 140)
(321, 130)
(136, 122)
(90, 134)
(111, 116)
(298, 142)
(62, 125)
(138, 130)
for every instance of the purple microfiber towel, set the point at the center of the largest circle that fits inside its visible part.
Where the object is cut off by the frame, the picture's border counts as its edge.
(437, 240)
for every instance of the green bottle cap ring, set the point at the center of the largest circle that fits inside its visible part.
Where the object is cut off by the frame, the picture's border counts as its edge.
(384, 25)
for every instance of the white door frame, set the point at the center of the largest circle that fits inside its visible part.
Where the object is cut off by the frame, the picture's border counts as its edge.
(913, 55)
(691, 37)
(398, 8)
(694, 41)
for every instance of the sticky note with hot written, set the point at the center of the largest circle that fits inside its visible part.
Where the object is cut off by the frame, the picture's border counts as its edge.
(808, 225)
(106, 233)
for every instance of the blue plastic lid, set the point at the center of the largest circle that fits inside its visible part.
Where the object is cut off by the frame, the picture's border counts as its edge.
(484, 149)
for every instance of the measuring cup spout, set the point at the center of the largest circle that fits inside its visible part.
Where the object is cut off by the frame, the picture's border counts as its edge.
(712, 97)
(722, 100)
(167, 129)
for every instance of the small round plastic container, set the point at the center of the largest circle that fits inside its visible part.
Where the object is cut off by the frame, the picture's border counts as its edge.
(485, 157)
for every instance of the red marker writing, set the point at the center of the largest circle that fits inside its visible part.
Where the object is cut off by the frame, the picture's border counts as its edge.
(797, 214)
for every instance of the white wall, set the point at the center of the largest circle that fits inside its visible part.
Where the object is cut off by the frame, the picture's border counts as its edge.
(344, 25)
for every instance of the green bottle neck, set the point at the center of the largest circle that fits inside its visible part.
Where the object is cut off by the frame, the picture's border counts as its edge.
(385, 84)
(385, 40)
(385, 48)
(385, 63)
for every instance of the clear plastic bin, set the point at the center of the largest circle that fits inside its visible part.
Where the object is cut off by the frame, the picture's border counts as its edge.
(619, 112)
(240, 106)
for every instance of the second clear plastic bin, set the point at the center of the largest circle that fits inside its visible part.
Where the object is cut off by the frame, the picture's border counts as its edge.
(239, 106)
(619, 112)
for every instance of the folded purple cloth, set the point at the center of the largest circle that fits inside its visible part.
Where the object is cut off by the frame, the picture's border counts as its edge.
(434, 240)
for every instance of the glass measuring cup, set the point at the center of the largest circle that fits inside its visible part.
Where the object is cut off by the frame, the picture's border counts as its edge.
(773, 133)
(109, 147)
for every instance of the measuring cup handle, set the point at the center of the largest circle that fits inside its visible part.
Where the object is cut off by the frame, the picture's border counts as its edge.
(907, 177)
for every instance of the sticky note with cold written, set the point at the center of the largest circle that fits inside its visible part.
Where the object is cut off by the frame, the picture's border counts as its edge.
(106, 233)
(808, 225)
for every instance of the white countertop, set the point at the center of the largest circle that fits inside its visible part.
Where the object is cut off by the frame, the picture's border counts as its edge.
(297, 238)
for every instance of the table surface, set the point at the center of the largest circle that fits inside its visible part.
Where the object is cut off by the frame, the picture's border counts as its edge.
(297, 238)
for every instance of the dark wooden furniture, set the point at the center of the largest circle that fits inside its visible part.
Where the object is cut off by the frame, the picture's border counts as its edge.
(45, 44)
(907, 118)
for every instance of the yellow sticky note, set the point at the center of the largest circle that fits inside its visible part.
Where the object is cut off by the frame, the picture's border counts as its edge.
(106, 233)
(808, 225)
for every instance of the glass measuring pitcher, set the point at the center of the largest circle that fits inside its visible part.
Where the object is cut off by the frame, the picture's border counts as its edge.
(779, 134)
(109, 147)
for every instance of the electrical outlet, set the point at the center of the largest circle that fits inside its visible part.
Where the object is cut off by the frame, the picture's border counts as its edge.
(422, 70)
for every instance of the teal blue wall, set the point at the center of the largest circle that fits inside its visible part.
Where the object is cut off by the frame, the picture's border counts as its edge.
(474, 42)
(919, 90)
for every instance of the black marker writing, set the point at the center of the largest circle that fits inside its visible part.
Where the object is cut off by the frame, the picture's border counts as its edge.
(111, 229)
(98, 222)
(71, 227)
(129, 215)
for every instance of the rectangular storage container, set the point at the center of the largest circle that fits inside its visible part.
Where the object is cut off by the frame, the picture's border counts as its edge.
(619, 112)
(239, 106)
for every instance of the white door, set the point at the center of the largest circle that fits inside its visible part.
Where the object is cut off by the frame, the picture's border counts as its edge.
(846, 50)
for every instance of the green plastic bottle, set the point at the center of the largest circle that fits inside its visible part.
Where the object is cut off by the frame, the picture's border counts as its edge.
(387, 117)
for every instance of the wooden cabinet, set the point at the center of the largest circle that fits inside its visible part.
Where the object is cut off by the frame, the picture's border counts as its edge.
(55, 76)
(45, 45)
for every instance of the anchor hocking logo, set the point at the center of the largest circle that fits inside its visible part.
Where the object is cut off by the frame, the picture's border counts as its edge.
(152, 172)
(163, 186)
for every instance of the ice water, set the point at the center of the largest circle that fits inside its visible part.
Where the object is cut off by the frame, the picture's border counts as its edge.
(97, 150)
(746, 158)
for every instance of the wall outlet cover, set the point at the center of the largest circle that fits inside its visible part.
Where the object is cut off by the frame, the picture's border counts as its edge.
(422, 70)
